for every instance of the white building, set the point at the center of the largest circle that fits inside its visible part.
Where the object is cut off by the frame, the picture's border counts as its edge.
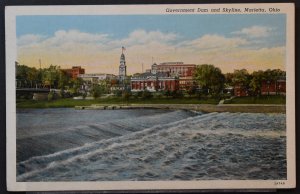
(96, 77)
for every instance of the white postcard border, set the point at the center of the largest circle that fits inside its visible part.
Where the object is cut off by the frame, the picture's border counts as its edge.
(11, 52)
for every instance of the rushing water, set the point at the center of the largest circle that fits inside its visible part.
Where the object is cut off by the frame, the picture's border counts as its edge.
(149, 144)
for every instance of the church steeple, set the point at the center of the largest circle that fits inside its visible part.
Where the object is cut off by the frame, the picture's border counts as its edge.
(122, 67)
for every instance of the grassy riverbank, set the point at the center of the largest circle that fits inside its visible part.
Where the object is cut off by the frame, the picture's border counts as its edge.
(69, 102)
(257, 100)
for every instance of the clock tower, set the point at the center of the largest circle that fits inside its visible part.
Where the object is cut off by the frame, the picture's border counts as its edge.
(122, 67)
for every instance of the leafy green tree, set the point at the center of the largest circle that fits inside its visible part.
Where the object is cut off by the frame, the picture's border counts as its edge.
(74, 85)
(269, 76)
(32, 76)
(191, 90)
(63, 79)
(256, 81)
(96, 91)
(273, 75)
(209, 78)
(241, 77)
(105, 85)
(51, 76)
(228, 79)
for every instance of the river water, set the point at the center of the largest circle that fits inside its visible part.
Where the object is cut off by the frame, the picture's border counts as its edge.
(148, 144)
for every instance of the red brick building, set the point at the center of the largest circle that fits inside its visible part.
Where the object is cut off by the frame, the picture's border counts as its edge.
(176, 69)
(277, 87)
(161, 81)
(240, 90)
(74, 72)
(274, 87)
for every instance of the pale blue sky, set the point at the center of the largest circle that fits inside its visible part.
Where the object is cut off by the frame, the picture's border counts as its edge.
(229, 41)
(187, 26)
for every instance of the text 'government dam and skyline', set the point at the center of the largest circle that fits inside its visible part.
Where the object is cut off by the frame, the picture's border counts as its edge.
(180, 102)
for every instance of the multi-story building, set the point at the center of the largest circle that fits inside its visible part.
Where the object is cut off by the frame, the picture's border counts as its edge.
(160, 81)
(268, 87)
(184, 72)
(274, 87)
(74, 71)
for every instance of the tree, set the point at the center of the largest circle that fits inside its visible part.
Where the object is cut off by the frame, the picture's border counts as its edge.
(63, 79)
(268, 76)
(241, 77)
(96, 90)
(51, 76)
(32, 75)
(228, 79)
(191, 90)
(256, 81)
(209, 78)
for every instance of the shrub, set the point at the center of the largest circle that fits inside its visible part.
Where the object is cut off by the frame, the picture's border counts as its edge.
(146, 94)
(51, 95)
(126, 95)
(177, 94)
(118, 93)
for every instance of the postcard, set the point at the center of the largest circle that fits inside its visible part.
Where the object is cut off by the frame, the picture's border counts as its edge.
(150, 97)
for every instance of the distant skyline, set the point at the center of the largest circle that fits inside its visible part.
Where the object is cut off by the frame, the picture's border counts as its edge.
(94, 42)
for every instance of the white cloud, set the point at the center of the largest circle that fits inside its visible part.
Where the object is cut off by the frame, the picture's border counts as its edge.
(29, 39)
(100, 52)
(139, 37)
(74, 36)
(254, 31)
(215, 41)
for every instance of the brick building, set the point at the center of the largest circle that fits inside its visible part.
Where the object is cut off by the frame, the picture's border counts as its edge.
(272, 87)
(277, 87)
(74, 71)
(240, 90)
(184, 72)
(160, 81)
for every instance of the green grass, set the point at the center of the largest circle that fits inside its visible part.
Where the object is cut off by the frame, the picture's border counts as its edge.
(257, 100)
(68, 102)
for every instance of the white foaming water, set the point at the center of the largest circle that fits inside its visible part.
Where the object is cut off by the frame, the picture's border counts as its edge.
(172, 147)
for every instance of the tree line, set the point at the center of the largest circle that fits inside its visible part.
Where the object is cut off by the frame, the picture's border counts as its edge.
(51, 77)
(208, 78)
(212, 81)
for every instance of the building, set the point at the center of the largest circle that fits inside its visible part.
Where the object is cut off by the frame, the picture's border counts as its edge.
(122, 67)
(183, 71)
(165, 76)
(268, 87)
(240, 90)
(97, 77)
(161, 81)
(74, 71)
(274, 87)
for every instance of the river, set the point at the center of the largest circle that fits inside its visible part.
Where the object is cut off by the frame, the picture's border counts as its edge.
(64, 144)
